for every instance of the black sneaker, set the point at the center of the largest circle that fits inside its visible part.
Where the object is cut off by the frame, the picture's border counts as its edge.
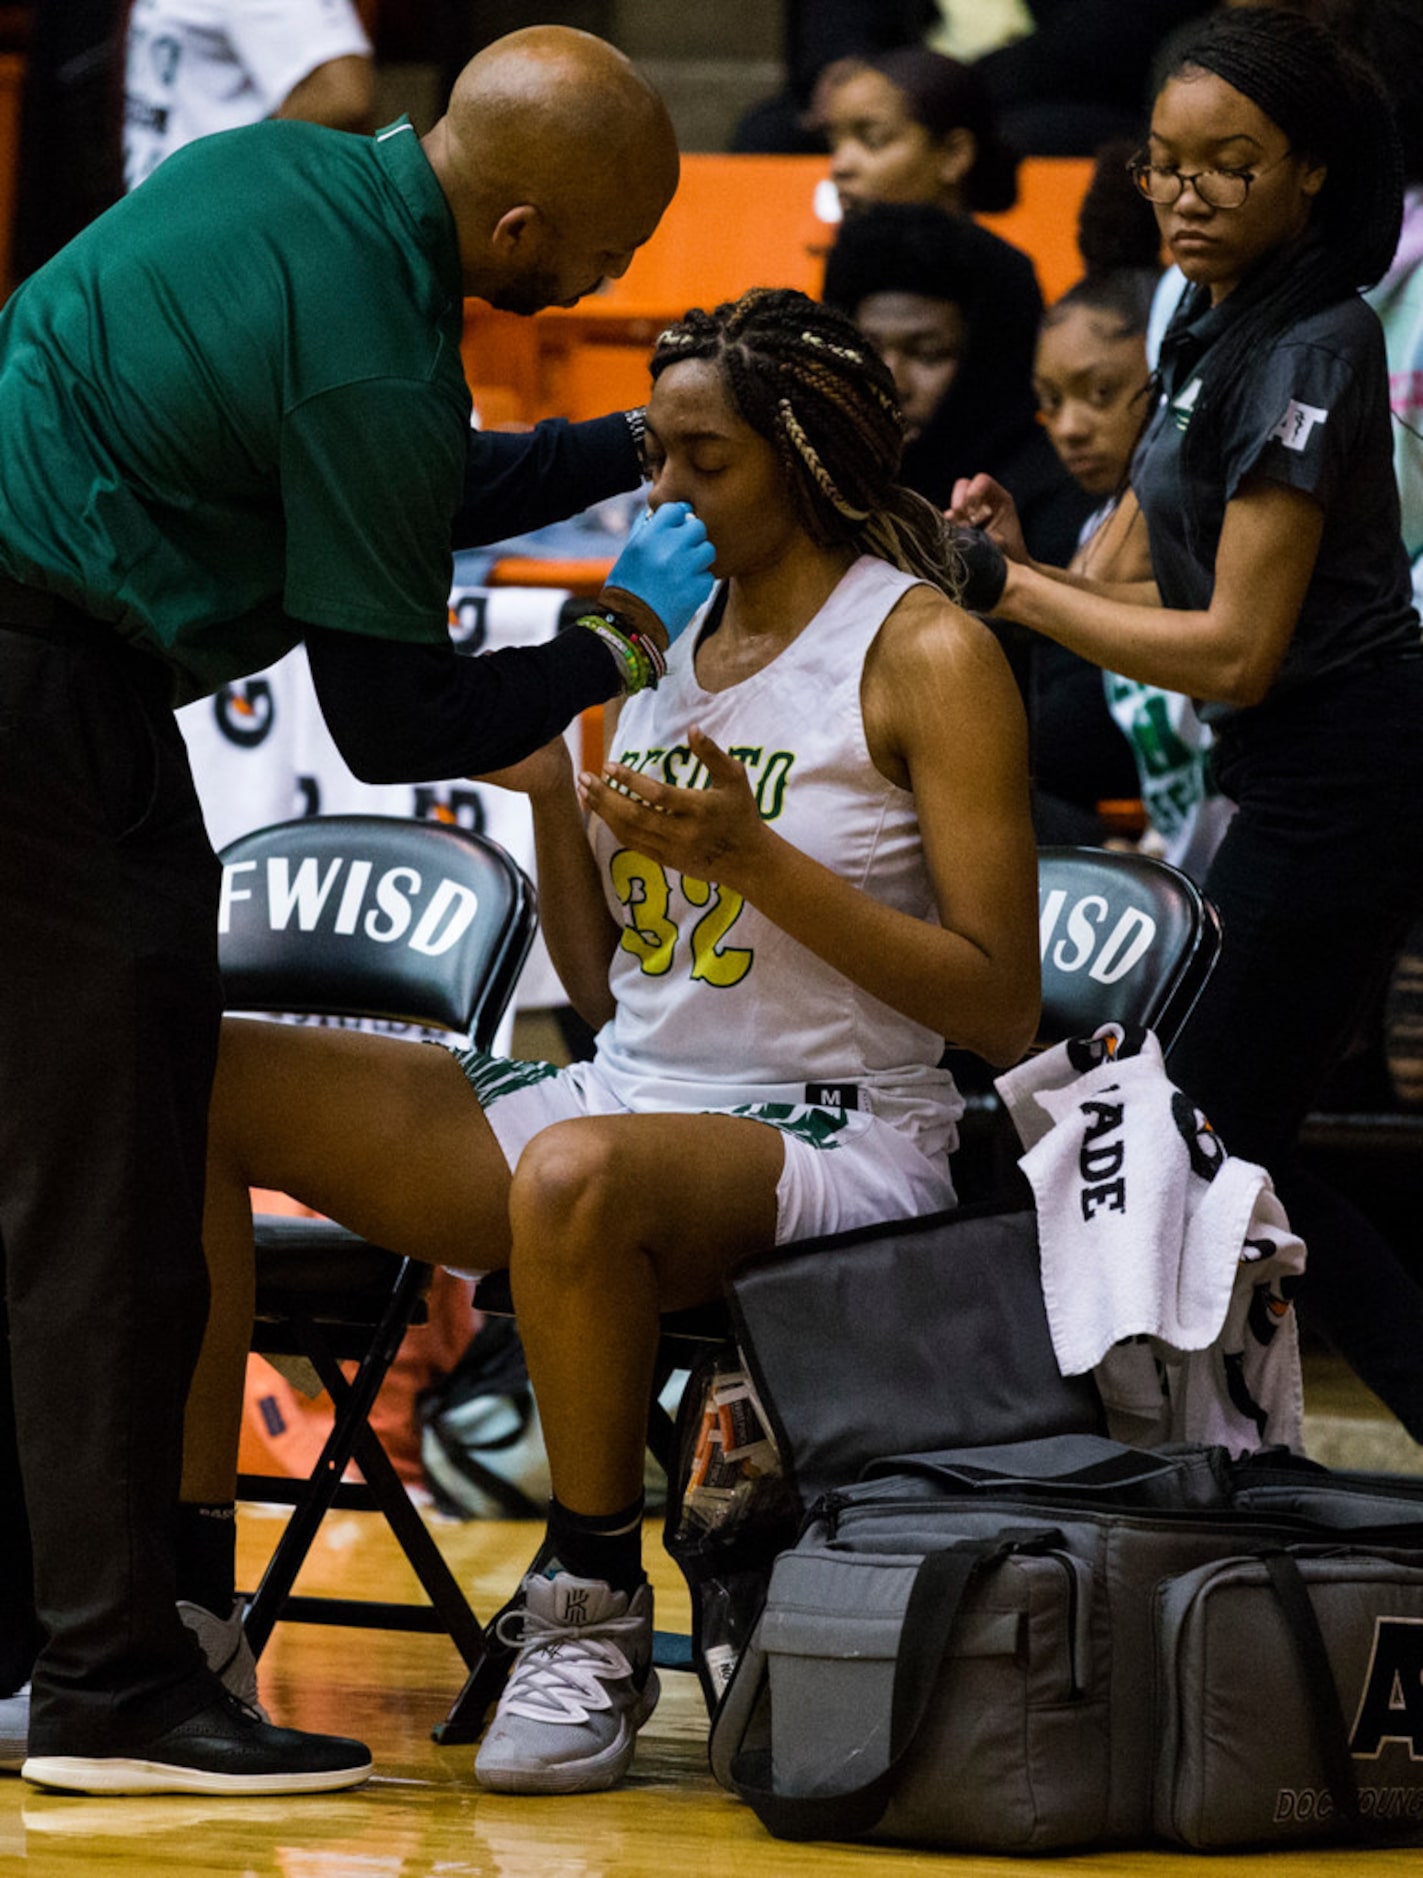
(224, 1748)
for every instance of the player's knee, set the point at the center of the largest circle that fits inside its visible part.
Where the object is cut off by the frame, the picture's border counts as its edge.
(568, 1191)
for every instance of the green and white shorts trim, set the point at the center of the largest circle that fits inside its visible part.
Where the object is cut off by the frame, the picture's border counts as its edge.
(842, 1168)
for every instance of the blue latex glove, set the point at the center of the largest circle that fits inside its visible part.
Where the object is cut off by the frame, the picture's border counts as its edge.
(665, 563)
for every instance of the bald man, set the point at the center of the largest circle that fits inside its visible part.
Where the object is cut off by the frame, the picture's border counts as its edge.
(235, 417)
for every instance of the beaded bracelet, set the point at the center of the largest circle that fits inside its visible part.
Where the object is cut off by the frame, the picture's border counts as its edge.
(639, 658)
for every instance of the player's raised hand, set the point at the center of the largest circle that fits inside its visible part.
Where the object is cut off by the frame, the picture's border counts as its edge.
(713, 832)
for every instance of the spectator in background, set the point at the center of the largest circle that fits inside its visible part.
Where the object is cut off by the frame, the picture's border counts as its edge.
(197, 66)
(914, 155)
(912, 126)
(1091, 380)
(1282, 598)
(955, 313)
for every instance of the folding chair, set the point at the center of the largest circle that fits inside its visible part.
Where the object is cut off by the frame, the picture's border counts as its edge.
(1124, 938)
(362, 916)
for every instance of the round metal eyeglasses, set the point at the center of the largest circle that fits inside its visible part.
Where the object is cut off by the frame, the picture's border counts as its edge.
(1218, 189)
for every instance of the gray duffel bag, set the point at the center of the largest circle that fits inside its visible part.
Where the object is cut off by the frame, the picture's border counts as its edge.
(1068, 1642)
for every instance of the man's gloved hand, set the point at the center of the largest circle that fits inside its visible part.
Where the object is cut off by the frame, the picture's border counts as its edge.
(665, 564)
(985, 566)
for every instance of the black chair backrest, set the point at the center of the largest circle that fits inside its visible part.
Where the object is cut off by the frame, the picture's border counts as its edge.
(374, 916)
(1124, 938)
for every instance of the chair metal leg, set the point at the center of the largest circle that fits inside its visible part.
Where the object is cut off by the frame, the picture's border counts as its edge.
(320, 1490)
(352, 1438)
(427, 1561)
(483, 1686)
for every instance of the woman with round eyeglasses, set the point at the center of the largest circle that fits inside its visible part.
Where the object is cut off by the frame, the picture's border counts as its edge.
(1163, 185)
(1280, 600)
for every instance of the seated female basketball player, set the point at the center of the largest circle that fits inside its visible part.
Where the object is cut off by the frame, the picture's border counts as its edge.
(809, 864)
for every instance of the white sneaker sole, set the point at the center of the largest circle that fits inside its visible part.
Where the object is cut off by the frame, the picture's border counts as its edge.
(74, 1773)
(592, 1774)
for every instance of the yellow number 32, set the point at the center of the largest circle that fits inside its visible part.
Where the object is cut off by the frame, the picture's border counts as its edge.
(651, 933)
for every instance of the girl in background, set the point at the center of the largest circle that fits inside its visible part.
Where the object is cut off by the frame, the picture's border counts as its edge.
(1280, 597)
(1090, 376)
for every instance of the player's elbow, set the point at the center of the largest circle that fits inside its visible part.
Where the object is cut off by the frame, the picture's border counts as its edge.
(1008, 1041)
(1247, 654)
(1002, 1028)
(1241, 683)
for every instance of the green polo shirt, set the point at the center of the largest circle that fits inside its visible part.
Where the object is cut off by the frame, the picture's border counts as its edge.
(235, 403)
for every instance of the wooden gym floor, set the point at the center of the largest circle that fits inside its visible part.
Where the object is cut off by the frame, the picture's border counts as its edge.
(422, 1816)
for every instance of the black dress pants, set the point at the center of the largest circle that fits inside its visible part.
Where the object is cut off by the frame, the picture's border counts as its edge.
(1318, 879)
(110, 1002)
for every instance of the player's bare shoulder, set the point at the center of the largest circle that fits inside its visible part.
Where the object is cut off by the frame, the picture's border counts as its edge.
(934, 678)
(927, 636)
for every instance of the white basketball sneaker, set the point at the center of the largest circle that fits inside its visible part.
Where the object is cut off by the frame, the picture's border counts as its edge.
(581, 1687)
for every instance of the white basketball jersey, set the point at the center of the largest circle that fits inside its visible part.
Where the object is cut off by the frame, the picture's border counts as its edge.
(197, 66)
(716, 1007)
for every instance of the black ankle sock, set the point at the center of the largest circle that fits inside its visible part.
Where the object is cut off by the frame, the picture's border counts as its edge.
(596, 1545)
(206, 1544)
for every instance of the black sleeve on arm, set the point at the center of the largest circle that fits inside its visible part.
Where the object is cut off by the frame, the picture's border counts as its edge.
(515, 481)
(418, 713)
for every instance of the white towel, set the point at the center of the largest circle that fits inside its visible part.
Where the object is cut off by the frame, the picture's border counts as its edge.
(1150, 1230)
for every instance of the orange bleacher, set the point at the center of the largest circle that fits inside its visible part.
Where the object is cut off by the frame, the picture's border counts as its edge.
(735, 222)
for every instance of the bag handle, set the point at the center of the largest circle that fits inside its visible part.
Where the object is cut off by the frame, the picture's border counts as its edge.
(1332, 1732)
(935, 1597)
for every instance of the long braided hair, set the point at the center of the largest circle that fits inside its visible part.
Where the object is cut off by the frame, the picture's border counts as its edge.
(800, 374)
(1332, 107)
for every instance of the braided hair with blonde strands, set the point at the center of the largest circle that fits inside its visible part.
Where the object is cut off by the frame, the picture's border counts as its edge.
(800, 374)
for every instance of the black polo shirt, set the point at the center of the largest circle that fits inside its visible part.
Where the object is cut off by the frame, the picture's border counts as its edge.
(1313, 414)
